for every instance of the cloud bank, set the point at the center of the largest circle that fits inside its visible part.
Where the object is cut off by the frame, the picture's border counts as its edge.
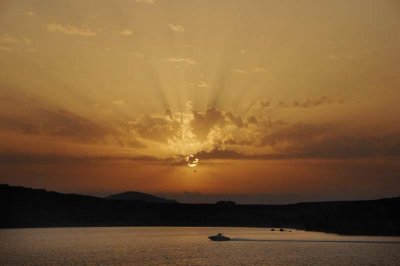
(68, 29)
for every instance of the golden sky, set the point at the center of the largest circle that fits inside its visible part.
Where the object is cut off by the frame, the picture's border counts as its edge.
(281, 101)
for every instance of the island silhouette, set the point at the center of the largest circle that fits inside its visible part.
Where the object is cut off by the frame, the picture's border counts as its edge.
(25, 207)
(134, 195)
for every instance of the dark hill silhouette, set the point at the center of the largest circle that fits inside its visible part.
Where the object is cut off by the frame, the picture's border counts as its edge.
(133, 195)
(25, 207)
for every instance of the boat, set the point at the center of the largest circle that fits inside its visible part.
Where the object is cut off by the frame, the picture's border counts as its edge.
(219, 237)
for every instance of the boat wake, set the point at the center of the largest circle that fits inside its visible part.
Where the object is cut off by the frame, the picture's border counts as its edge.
(315, 241)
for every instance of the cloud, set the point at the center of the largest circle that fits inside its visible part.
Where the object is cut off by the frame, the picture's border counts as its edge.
(329, 141)
(145, 1)
(118, 102)
(221, 154)
(309, 102)
(47, 129)
(333, 57)
(215, 133)
(258, 69)
(368, 51)
(8, 39)
(158, 128)
(240, 71)
(314, 102)
(22, 158)
(12, 43)
(203, 122)
(191, 131)
(31, 13)
(212, 133)
(138, 54)
(68, 29)
(6, 49)
(311, 141)
(176, 27)
(126, 32)
(181, 61)
(204, 85)
(58, 123)
(68, 124)
(26, 40)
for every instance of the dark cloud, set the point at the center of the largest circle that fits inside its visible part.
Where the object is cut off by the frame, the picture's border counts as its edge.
(170, 125)
(24, 126)
(227, 154)
(306, 141)
(67, 124)
(295, 133)
(156, 128)
(314, 102)
(220, 154)
(237, 120)
(232, 133)
(342, 146)
(225, 135)
(305, 103)
(203, 122)
(252, 120)
(21, 158)
(61, 123)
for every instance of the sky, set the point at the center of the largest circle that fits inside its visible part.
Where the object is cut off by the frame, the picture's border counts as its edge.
(281, 101)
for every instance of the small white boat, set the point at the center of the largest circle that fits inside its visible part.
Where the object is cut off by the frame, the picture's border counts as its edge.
(219, 237)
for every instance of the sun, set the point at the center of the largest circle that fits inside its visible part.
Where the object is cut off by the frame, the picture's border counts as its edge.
(192, 161)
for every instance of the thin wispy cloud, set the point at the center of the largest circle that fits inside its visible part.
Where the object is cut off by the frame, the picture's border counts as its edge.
(69, 29)
(177, 60)
(118, 102)
(333, 57)
(6, 38)
(6, 49)
(126, 32)
(11, 43)
(204, 85)
(26, 40)
(145, 1)
(137, 54)
(240, 71)
(368, 51)
(176, 27)
(258, 69)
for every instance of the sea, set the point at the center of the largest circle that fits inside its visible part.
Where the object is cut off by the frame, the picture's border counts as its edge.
(191, 246)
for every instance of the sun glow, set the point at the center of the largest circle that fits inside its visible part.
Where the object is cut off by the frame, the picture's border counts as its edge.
(192, 161)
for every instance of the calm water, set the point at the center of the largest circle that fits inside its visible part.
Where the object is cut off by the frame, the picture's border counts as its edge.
(190, 246)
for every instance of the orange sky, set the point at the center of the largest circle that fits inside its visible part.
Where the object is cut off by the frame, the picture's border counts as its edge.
(281, 101)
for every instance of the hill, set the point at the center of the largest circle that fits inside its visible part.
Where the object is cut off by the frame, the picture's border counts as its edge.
(25, 207)
(133, 195)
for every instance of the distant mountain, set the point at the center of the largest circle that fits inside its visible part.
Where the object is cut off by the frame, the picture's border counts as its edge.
(133, 195)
